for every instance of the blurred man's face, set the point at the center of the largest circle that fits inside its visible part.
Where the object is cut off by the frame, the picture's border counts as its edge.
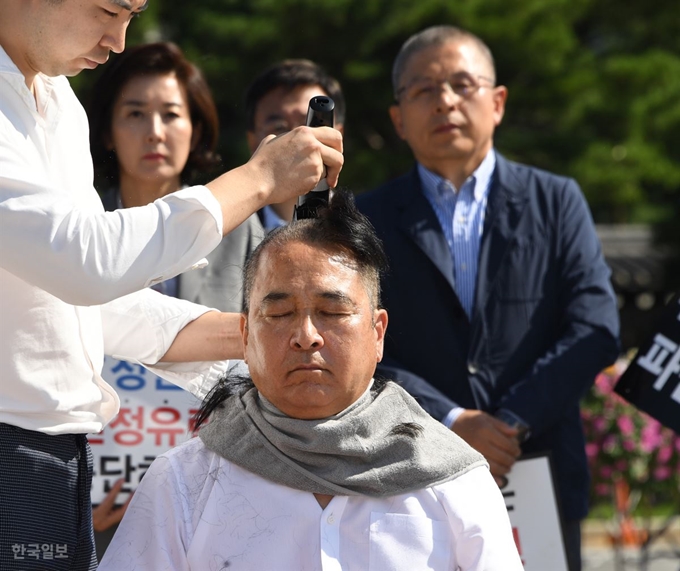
(440, 125)
(73, 35)
(312, 337)
(281, 111)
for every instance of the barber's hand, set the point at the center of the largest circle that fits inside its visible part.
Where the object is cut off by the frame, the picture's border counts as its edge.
(492, 437)
(105, 514)
(293, 163)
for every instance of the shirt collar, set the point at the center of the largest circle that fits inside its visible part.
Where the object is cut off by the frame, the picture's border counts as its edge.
(481, 178)
(42, 83)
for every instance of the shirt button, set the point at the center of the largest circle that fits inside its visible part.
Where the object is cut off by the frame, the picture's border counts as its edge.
(463, 267)
(472, 368)
(331, 519)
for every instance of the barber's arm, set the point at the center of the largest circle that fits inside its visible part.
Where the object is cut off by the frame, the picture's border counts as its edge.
(214, 336)
(72, 249)
(188, 344)
(588, 326)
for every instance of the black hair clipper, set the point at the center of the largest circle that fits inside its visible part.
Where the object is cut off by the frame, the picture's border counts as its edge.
(319, 114)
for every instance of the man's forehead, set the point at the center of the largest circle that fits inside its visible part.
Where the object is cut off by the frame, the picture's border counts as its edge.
(287, 263)
(459, 52)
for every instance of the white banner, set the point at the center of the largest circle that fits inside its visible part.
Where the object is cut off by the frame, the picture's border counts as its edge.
(532, 506)
(154, 416)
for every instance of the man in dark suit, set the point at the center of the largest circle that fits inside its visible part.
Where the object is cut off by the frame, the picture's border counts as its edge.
(501, 310)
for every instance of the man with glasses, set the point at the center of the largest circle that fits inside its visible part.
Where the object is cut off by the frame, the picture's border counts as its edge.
(501, 310)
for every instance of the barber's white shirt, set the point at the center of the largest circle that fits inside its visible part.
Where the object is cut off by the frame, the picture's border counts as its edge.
(63, 262)
(197, 511)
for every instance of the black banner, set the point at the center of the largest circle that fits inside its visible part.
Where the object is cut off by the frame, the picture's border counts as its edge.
(652, 381)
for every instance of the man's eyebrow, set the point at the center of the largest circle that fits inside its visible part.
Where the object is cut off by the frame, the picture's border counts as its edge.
(332, 295)
(125, 4)
(276, 116)
(337, 295)
(273, 297)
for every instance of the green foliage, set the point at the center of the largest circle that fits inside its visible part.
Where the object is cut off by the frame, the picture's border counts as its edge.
(594, 84)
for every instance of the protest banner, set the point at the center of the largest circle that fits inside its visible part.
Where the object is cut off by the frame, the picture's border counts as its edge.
(154, 416)
(534, 514)
(652, 380)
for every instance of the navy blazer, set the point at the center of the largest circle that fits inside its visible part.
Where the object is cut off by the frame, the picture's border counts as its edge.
(544, 321)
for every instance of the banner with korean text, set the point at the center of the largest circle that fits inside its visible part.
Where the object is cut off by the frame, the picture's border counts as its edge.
(154, 416)
(652, 380)
(534, 514)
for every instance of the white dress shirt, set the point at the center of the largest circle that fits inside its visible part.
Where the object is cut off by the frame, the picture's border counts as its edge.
(63, 262)
(197, 511)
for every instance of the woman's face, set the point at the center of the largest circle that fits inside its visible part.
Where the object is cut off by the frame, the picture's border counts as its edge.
(151, 131)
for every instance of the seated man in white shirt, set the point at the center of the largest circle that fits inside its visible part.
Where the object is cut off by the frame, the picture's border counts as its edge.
(313, 464)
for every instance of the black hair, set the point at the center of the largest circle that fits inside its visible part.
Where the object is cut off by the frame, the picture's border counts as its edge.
(289, 74)
(338, 227)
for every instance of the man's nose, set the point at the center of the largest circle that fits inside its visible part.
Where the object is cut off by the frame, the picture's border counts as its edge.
(114, 38)
(306, 336)
(446, 96)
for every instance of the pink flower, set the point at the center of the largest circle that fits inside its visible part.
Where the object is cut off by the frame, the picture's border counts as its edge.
(621, 465)
(650, 437)
(662, 473)
(602, 489)
(628, 445)
(609, 443)
(626, 425)
(664, 454)
(591, 450)
(599, 424)
(606, 472)
(604, 383)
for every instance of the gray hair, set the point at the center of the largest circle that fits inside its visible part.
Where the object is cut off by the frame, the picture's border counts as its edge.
(436, 36)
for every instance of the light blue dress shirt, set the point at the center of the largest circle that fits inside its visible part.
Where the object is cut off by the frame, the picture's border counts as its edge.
(461, 214)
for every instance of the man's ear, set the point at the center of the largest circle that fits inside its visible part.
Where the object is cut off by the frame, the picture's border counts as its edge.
(243, 327)
(500, 96)
(380, 319)
(395, 115)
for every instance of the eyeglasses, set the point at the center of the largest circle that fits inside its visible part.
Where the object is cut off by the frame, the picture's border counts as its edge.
(426, 89)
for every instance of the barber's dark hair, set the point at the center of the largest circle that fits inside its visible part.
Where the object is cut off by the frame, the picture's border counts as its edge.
(435, 36)
(159, 58)
(339, 227)
(290, 74)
